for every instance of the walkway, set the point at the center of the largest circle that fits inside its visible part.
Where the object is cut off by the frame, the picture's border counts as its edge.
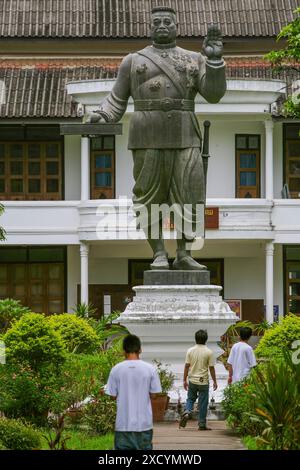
(167, 436)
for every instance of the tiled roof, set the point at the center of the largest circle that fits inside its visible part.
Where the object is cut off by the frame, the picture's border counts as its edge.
(130, 18)
(38, 89)
(41, 91)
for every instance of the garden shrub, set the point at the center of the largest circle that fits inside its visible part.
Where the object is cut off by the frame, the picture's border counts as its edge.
(77, 335)
(32, 341)
(80, 378)
(92, 368)
(238, 401)
(31, 376)
(279, 338)
(100, 415)
(109, 359)
(27, 393)
(10, 310)
(110, 334)
(83, 375)
(41, 376)
(32, 394)
(266, 405)
(85, 310)
(251, 443)
(15, 435)
(277, 403)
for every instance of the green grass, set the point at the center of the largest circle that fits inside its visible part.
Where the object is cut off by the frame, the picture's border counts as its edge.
(80, 440)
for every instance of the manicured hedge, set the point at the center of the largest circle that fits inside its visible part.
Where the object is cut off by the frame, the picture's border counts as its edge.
(15, 435)
(77, 335)
(279, 338)
(33, 341)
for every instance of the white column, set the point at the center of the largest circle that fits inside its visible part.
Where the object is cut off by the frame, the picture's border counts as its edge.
(84, 273)
(85, 168)
(269, 281)
(269, 160)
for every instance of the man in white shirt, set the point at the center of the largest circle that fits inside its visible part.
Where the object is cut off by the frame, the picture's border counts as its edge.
(131, 383)
(241, 358)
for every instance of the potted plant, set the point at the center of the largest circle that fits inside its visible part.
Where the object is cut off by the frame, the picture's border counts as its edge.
(161, 400)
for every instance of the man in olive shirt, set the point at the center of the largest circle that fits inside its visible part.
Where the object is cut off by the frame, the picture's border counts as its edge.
(198, 360)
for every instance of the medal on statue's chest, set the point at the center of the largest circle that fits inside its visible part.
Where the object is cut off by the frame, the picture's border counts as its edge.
(184, 64)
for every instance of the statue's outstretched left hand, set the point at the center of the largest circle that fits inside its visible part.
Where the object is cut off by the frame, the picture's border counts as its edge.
(93, 117)
(213, 44)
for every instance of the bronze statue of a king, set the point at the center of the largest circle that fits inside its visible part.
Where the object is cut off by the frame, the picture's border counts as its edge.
(164, 134)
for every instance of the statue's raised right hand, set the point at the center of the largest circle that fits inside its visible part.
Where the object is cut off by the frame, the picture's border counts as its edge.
(213, 44)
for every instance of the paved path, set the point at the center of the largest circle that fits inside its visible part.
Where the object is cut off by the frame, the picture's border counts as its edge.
(167, 436)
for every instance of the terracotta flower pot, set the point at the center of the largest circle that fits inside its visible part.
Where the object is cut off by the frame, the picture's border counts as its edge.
(167, 402)
(74, 414)
(159, 406)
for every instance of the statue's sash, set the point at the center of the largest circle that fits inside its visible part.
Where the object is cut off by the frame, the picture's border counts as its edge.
(166, 68)
(174, 77)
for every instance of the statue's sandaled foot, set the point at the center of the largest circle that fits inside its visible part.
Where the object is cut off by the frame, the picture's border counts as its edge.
(187, 263)
(160, 262)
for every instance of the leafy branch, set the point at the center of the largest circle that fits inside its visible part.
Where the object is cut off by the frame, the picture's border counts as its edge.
(286, 60)
(2, 231)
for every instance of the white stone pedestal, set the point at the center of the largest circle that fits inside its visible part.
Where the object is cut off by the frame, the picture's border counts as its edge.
(166, 318)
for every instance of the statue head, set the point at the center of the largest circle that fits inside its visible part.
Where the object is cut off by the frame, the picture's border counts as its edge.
(163, 25)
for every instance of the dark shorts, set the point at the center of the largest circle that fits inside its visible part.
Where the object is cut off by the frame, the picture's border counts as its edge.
(126, 440)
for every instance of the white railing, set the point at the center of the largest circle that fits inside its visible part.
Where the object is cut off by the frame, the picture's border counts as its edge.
(238, 219)
(286, 220)
(40, 222)
(68, 222)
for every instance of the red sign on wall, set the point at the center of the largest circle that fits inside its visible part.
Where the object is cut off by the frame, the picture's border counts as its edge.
(211, 217)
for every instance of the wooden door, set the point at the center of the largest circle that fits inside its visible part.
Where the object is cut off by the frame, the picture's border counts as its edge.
(293, 287)
(253, 310)
(120, 295)
(39, 286)
(292, 167)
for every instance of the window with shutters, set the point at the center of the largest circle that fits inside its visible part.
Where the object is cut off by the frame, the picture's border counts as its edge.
(31, 166)
(292, 159)
(103, 167)
(247, 165)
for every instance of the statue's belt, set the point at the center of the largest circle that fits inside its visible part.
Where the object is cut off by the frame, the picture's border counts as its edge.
(164, 104)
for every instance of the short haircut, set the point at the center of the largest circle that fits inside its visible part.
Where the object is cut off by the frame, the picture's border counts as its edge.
(245, 333)
(131, 344)
(166, 9)
(201, 336)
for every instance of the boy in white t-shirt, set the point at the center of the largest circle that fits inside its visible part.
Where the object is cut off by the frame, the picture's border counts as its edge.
(132, 383)
(241, 358)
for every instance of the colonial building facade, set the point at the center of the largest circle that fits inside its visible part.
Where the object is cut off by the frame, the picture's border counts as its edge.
(59, 60)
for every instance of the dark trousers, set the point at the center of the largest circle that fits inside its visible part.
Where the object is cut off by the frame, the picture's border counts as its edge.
(126, 440)
(201, 392)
